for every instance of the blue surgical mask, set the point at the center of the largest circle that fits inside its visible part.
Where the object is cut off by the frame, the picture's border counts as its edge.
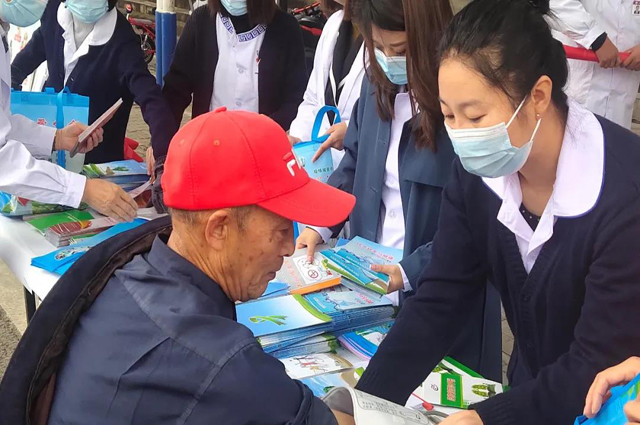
(488, 152)
(395, 67)
(88, 11)
(235, 7)
(22, 13)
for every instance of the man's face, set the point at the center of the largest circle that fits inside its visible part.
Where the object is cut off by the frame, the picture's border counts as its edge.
(255, 251)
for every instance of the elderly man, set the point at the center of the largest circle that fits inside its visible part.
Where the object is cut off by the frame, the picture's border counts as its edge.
(161, 345)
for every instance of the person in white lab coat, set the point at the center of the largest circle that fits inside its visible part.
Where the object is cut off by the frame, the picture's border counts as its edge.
(608, 88)
(338, 70)
(22, 141)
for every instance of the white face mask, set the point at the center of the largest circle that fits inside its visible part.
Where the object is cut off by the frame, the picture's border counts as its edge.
(488, 152)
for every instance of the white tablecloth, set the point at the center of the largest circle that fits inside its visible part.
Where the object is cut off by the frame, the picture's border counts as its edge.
(19, 242)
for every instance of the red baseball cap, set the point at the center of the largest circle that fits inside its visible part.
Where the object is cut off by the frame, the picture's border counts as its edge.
(226, 159)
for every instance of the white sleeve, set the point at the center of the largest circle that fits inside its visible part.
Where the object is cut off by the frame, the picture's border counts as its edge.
(303, 123)
(22, 175)
(573, 20)
(38, 139)
(324, 232)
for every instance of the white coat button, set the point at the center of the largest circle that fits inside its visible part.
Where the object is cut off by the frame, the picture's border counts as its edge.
(238, 103)
(392, 214)
(240, 71)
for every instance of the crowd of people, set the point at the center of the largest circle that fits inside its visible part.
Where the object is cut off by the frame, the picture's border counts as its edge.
(469, 141)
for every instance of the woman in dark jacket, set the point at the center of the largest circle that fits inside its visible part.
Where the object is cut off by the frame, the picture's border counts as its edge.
(397, 161)
(261, 67)
(91, 48)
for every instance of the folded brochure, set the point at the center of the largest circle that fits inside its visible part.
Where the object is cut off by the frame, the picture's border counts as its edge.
(368, 409)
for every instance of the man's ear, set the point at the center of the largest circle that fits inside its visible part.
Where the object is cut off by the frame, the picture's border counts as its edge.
(217, 229)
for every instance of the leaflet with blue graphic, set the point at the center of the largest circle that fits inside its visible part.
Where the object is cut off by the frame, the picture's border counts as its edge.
(354, 259)
(364, 343)
(332, 302)
(60, 260)
(278, 315)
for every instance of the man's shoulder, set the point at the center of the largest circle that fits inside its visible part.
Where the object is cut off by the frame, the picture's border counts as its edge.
(182, 314)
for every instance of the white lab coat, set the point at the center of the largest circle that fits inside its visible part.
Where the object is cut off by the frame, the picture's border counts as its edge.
(21, 142)
(314, 95)
(607, 92)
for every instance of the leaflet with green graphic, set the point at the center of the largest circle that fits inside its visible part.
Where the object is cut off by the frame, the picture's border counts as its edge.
(278, 315)
(452, 390)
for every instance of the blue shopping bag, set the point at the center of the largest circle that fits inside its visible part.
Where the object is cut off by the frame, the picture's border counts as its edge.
(53, 110)
(323, 167)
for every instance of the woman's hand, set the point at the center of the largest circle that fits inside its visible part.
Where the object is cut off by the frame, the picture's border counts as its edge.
(396, 281)
(66, 138)
(309, 238)
(336, 139)
(600, 389)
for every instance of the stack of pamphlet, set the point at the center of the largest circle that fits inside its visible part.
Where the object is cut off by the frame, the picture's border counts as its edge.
(353, 262)
(324, 343)
(128, 174)
(63, 234)
(281, 321)
(60, 260)
(365, 342)
(350, 309)
(44, 221)
(286, 321)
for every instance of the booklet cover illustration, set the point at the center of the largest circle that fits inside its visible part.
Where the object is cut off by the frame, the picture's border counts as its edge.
(275, 315)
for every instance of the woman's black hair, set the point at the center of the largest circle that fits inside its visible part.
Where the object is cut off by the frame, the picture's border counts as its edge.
(112, 4)
(509, 42)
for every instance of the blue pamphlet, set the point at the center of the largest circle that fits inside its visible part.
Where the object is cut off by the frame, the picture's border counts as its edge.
(60, 260)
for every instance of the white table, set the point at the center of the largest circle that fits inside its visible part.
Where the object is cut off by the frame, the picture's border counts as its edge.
(19, 243)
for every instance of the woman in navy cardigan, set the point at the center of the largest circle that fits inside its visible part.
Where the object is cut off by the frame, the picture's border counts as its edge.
(396, 162)
(91, 48)
(544, 203)
(249, 58)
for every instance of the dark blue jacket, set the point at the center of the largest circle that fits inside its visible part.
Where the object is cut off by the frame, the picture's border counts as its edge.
(423, 174)
(105, 74)
(575, 314)
(160, 345)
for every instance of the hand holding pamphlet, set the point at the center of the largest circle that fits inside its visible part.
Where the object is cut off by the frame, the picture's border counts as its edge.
(97, 124)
